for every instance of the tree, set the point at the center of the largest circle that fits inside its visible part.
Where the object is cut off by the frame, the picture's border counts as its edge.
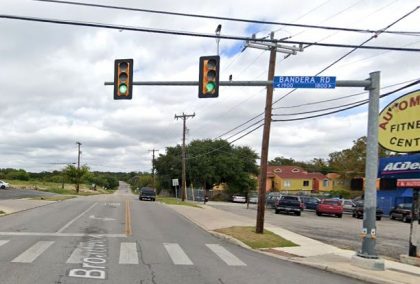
(75, 175)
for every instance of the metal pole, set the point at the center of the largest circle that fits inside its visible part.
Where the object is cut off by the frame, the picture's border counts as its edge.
(265, 143)
(78, 167)
(413, 249)
(369, 217)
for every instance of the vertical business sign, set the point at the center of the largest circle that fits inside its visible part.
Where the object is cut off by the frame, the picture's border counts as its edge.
(399, 124)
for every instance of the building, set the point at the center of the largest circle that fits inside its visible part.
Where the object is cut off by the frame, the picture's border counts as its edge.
(296, 179)
(392, 171)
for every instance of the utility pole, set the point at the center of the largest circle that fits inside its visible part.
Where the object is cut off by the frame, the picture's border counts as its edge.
(184, 117)
(78, 167)
(153, 166)
(274, 48)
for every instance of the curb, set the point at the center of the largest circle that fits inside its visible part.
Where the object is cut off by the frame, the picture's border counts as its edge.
(42, 205)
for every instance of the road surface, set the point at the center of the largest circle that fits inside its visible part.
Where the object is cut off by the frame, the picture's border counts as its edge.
(119, 239)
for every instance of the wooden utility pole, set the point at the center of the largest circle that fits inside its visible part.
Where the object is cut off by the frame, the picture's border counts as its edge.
(184, 117)
(265, 142)
(153, 166)
(78, 167)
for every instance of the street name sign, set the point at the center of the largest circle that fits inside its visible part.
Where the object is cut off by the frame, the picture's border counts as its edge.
(308, 82)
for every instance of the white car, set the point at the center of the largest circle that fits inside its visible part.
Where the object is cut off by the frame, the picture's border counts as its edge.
(238, 198)
(3, 184)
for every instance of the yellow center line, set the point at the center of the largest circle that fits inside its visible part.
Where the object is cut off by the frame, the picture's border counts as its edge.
(127, 229)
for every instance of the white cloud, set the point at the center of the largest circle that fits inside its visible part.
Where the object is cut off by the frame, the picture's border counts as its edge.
(53, 94)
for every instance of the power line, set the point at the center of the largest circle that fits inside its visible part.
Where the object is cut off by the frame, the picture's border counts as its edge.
(215, 17)
(327, 67)
(343, 97)
(193, 34)
(347, 108)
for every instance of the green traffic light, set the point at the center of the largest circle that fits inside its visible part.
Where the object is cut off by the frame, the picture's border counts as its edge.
(122, 89)
(210, 87)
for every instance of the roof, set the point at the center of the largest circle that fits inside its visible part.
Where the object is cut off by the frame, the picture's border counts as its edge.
(292, 172)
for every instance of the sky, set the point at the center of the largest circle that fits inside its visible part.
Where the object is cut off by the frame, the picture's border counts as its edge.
(52, 78)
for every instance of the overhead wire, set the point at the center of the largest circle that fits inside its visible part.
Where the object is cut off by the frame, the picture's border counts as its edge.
(209, 17)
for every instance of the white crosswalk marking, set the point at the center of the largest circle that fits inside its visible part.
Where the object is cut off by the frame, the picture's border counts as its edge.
(177, 255)
(33, 252)
(2, 242)
(128, 253)
(225, 255)
(76, 256)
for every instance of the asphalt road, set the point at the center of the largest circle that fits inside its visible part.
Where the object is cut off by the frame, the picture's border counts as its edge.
(15, 193)
(344, 233)
(119, 239)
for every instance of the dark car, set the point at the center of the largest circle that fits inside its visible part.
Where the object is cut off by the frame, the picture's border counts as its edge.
(289, 204)
(358, 211)
(271, 199)
(401, 211)
(147, 193)
(310, 202)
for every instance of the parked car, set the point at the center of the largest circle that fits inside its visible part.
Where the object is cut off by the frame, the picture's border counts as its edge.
(238, 198)
(271, 199)
(401, 211)
(310, 202)
(289, 204)
(330, 207)
(147, 193)
(358, 211)
(253, 199)
(4, 185)
(348, 205)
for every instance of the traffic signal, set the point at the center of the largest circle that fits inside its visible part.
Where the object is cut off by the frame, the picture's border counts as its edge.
(208, 85)
(123, 79)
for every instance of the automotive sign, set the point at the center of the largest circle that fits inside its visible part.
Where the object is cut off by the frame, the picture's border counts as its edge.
(400, 167)
(399, 124)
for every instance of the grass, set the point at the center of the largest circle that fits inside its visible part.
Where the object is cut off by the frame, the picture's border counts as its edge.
(53, 198)
(248, 236)
(69, 189)
(2, 212)
(174, 201)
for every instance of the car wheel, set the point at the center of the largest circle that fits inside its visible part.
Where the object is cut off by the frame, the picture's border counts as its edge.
(405, 219)
(392, 216)
(3, 187)
(276, 211)
(378, 218)
(297, 213)
(353, 215)
(340, 215)
(318, 213)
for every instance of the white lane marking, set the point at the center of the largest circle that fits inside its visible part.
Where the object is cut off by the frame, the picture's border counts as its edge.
(77, 217)
(225, 255)
(2, 242)
(128, 253)
(103, 219)
(76, 256)
(33, 252)
(36, 234)
(177, 255)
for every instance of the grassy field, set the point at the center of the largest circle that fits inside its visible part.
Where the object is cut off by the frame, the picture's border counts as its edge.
(69, 189)
(248, 236)
(174, 201)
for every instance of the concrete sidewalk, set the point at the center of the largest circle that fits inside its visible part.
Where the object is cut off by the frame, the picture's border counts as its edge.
(10, 206)
(309, 252)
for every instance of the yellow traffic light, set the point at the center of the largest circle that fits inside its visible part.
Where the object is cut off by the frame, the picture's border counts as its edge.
(123, 79)
(208, 86)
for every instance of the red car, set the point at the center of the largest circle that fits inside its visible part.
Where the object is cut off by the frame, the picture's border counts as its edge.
(330, 207)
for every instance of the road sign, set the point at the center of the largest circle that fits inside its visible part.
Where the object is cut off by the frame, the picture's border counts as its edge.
(175, 182)
(308, 82)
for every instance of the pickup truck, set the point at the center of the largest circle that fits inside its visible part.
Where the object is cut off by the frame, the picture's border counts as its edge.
(289, 204)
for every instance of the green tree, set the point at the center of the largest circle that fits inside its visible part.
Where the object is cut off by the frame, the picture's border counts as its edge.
(75, 175)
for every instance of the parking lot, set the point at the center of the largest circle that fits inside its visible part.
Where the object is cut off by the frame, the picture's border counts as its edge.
(342, 232)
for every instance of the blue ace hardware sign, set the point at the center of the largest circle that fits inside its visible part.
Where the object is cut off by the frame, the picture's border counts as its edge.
(308, 82)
